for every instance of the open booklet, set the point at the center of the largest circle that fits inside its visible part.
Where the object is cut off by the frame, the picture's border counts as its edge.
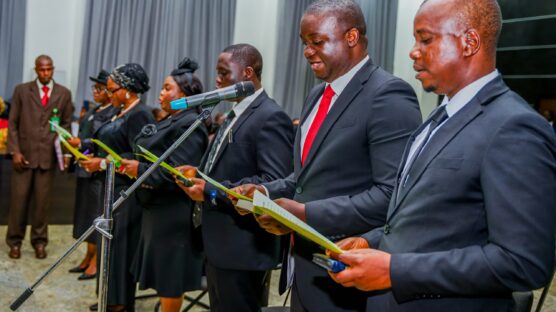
(261, 204)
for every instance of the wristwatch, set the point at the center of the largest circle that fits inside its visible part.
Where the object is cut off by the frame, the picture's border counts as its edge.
(103, 164)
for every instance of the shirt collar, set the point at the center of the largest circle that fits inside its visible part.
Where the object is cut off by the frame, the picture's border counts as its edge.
(238, 108)
(50, 84)
(341, 82)
(465, 95)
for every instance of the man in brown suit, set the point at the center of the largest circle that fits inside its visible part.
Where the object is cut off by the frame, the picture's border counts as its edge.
(31, 143)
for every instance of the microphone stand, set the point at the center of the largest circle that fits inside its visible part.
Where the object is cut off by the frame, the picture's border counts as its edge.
(103, 224)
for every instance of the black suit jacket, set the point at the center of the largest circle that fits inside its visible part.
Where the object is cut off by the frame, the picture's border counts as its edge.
(349, 174)
(260, 151)
(476, 219)
(160, 187)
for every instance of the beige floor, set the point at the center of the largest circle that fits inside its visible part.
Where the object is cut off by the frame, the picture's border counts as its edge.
(61, 291)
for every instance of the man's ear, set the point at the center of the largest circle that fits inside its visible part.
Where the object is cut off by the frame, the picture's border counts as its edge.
(472, 42)
(248, 72)
(352, 37)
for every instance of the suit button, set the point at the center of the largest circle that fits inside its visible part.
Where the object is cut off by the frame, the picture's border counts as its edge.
(299, 190)
(387, 229)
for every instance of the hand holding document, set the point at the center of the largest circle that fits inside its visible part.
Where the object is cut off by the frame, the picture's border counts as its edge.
(78, 155)
(63, 133)
(153, 158)
(223, 188)
(262, 203)
(113, 156)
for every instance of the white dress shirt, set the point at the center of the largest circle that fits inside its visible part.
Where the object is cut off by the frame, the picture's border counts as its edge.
(238, 109)
(453, 105)
(50, 86)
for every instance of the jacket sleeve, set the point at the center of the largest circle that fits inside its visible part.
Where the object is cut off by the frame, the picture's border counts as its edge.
(66, 112)
(518, 191)
(188, 152)
(13, 125)
(282, 187)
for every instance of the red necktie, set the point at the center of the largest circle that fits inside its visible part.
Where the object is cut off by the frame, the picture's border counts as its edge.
(44, 99)
(317, 122)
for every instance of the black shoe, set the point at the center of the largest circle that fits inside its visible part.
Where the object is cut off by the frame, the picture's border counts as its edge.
(77, 269)
(86, 276)
(93, 307)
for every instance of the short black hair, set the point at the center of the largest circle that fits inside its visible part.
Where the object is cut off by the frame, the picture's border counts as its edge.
(246, 55)
(483, 15)
(347, 12)
(43, 57)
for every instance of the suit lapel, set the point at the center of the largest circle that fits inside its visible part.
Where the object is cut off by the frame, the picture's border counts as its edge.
(54, 95)
(239, 122)
(312, 100)
(344, 100)
(35, 94)
(446, 133)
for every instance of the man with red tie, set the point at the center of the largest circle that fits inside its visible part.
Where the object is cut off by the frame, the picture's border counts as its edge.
(353, 130)
(31, 144)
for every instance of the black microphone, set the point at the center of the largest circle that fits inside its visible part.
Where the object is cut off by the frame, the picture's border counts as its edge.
(241, 89)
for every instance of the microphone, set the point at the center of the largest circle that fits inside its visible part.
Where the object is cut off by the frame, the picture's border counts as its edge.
(241, 89)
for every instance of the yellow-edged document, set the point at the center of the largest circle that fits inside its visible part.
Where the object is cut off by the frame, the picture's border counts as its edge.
(268, 206)
(262, 204)
(223, 188)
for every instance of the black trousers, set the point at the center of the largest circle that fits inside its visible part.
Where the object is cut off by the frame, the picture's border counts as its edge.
(235, 290)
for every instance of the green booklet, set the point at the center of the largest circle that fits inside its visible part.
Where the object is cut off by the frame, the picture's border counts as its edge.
(222, 187)
(153, 158)
(78, 155)
(113, 156)
(63, 133)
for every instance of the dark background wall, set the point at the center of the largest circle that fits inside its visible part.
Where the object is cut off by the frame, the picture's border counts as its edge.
(527, 48)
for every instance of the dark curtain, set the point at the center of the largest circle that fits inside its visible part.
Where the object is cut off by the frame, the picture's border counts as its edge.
(12, 34)
(155, 34)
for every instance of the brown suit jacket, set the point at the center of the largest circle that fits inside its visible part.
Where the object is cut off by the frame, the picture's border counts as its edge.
(29, 131)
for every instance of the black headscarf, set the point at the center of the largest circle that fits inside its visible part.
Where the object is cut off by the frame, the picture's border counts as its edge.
(131, 77)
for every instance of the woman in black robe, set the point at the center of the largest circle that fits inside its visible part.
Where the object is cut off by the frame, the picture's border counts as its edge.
(124, 85)
(167, 259)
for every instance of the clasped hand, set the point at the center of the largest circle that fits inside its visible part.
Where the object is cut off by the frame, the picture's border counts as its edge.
(195, 192)
(368, 269)
(265, 221)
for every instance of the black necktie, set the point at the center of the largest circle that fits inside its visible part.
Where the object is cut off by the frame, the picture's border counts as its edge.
(197, 208)
(437, 117)
(217, 141)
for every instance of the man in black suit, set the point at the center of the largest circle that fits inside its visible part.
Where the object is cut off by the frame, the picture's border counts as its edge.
(473, 217)
(253, 145)
(353, 131)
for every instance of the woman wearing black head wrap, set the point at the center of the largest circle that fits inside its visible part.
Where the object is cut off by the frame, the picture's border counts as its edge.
(88, 188)
(167, 259)
(123, 87)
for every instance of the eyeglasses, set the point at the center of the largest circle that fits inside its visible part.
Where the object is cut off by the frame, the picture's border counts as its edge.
(98, 90)
(111, 92)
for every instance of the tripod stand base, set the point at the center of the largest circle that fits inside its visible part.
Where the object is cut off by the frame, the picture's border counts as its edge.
(22, 298)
